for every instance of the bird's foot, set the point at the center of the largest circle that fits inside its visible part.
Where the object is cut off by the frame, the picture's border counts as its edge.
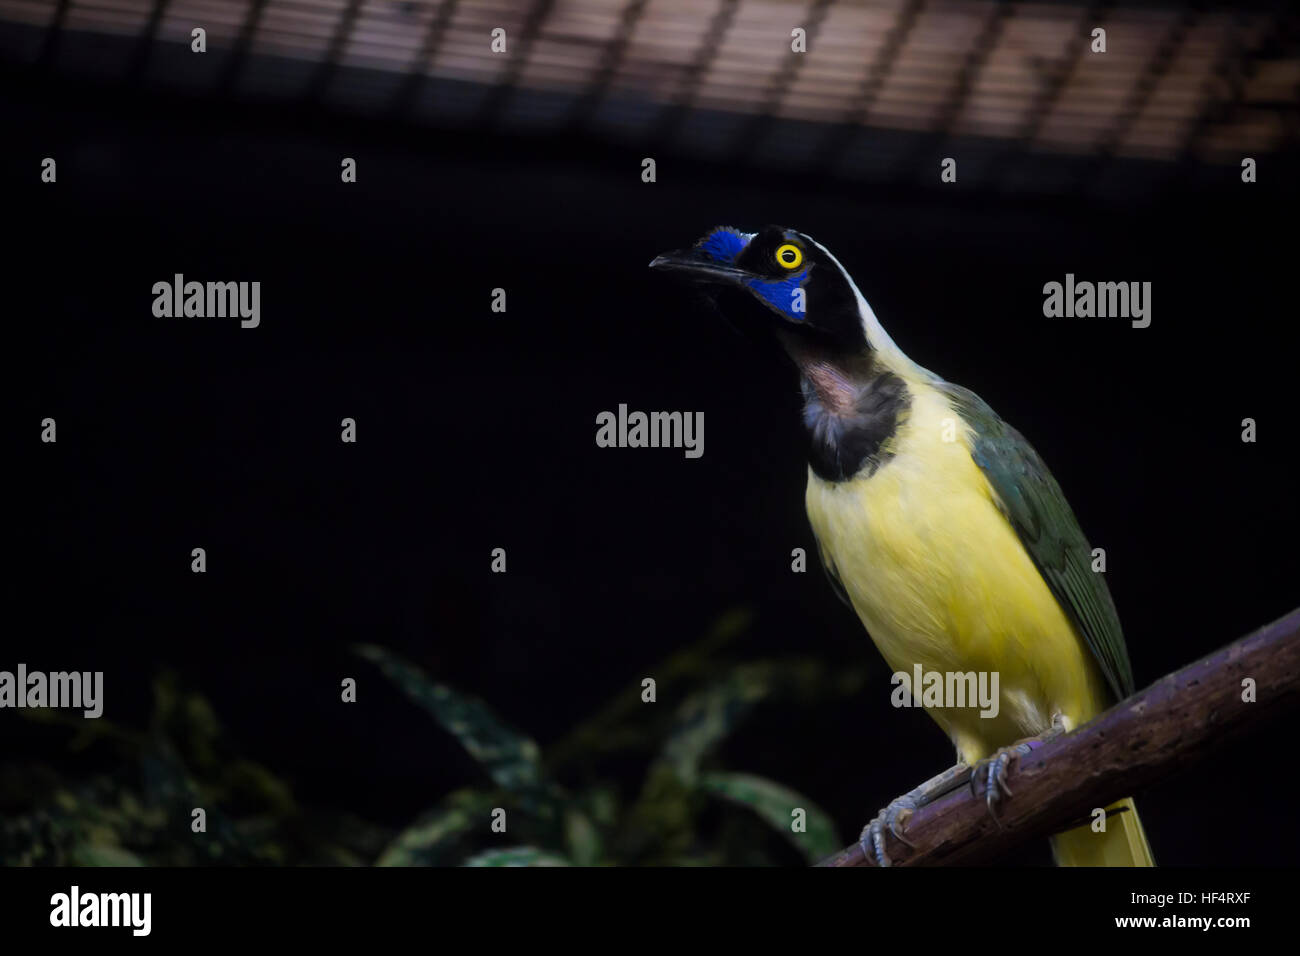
(891, 818)
(995, 768)
(994, 771)
(894, 817)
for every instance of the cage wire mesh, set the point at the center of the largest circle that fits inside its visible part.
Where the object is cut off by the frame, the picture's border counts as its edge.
(882, 88)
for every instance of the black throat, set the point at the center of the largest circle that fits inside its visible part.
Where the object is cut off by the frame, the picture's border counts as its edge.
(852, 407)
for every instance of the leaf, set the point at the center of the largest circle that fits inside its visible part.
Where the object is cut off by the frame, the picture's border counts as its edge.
(707, 717)
(260, 785)
(509, 757)
(775, 803)
(659, 828)
(581, 838)
(621, 725)
(517, 856)
(430, 837)
(89, 854)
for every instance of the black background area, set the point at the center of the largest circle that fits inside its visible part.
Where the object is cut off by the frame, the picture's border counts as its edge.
(476, 431)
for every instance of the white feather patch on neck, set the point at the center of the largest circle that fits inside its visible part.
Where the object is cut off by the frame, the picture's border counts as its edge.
(876, 335)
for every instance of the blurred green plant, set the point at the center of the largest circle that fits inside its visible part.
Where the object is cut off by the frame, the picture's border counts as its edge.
(663, 824)
(129, 816)
(685, 809)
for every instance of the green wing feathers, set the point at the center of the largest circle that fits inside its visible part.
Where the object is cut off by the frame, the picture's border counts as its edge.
(1032, 501)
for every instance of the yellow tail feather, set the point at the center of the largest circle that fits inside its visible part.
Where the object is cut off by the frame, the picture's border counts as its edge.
(1123, 844)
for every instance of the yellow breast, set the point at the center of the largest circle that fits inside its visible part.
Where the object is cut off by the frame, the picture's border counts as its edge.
(939, 578)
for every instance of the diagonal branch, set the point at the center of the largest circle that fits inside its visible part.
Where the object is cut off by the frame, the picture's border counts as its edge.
(1174, 723)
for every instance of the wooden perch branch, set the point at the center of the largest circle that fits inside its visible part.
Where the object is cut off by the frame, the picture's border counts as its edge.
(1171, 725)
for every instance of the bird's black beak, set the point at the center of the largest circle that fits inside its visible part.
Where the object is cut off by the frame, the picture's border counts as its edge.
(694, 264)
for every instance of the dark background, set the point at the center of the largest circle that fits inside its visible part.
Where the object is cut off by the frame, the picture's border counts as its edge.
(476, 430)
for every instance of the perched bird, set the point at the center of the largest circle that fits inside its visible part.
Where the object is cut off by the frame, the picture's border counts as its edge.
(938, 524)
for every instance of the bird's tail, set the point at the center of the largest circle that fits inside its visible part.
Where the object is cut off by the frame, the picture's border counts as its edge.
(1123, 844)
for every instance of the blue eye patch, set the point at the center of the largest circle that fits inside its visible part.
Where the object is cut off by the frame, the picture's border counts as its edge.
(779, 293)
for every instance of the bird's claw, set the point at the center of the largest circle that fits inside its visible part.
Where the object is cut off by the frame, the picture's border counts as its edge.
(890, 817)
(995, 777)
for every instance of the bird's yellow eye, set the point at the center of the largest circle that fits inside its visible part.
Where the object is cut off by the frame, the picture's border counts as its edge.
(789, 256)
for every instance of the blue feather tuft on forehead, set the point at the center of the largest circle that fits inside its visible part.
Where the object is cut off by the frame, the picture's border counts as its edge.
(724, 244)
